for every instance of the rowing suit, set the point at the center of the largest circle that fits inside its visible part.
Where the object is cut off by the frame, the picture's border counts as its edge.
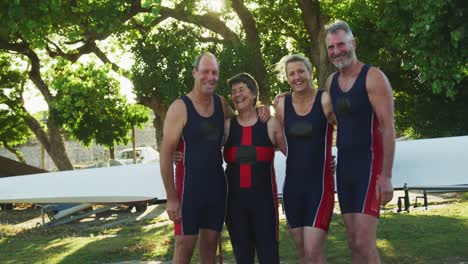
(308, 191)
(252, 215)
(200, 179)
(359, 143)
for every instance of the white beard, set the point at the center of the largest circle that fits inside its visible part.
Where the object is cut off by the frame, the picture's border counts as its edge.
(349, 58)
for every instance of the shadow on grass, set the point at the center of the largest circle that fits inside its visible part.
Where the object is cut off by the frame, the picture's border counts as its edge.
(402, 238)
(18, 216)
(89, 243)
(408, 238)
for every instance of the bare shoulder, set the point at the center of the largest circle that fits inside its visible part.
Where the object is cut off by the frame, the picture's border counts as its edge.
(326, 100)
(223, 100)
(280, 104)
(273, 122)
(375, 73)
(227, 123)
(279, 109)
(176, 115)
(325, 97)
(227, 129)
(227, 110)
(174, 123)
(376, 80)
(177, 108)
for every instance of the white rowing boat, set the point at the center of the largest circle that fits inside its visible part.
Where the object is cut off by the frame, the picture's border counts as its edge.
(440, 162)
(119, 184)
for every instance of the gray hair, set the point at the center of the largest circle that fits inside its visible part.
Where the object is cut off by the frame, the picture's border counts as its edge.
(337, 26)
(196, 63)
(283, 63)
(248, 80)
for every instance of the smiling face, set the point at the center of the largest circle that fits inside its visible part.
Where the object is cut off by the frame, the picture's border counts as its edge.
(242, 97)
(298, 76)
(341, 48)
(206, 76)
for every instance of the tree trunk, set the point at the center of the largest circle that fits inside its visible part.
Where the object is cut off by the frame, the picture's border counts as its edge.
(111, 153)
(56, 147)
(315, 23)
(158, 124)
(254, 48)
(159, 111)
(52, 140)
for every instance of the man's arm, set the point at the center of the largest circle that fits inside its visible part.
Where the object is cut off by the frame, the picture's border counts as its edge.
(381, 97)
(227, 129)
(276, 134)
(279, 111)
(328, 82)
(227, 109)
(173, 125)
(263, 113)
(328, 108)
(277, 98)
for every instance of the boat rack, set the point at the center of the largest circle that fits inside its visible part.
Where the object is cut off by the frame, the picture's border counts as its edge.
(74, 213)
(405, 200)
(79, 211)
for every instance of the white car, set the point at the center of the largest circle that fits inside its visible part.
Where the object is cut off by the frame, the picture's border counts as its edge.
(143, 155)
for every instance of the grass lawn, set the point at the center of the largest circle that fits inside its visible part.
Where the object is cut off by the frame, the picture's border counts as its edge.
(438, 235)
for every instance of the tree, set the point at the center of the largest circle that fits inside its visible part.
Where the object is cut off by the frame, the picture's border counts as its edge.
(434, 35)
(417, 59)
(246, 35)
(164, 61)
(251, 47)
(13, 130)
(39, 32)
(90, 107)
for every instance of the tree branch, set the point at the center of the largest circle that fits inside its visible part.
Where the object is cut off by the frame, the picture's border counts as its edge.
(254, 47)
(14, 151)
(208, 21)
(100, 54)
(211, 39)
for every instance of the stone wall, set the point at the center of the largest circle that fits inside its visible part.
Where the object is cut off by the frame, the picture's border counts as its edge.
(79, 155)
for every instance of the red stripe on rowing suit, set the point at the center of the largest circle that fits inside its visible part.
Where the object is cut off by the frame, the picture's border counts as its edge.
(246, 139)
(179, 182)
(246, 169)
(372, 206)
(263, 154)
(325, 211)
(230, 154)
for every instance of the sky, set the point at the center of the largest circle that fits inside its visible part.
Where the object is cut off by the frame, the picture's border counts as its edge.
(34, 102)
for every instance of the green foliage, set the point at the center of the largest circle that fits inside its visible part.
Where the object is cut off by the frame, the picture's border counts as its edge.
(434, 35)
(423, 114)
(282, 32)
(90, 107)
(420, 45)
(13, 130)
(163, 63)
(423, 65)
(40, 20)
(232, 61)
(441, 229)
